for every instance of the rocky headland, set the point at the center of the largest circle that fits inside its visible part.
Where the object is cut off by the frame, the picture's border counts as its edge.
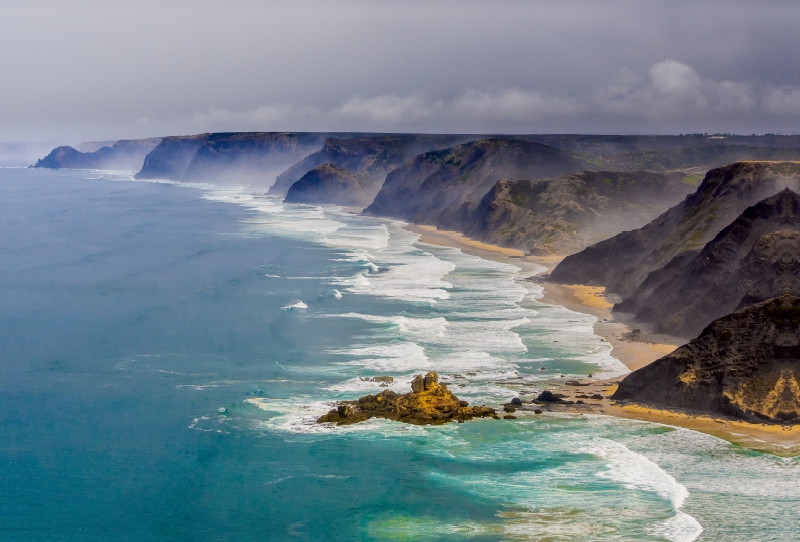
(369, 158)
(744, 365)
(563, 215)
(123, 155)
(428, 402)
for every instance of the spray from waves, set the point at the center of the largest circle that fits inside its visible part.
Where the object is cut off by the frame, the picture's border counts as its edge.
(479, 301)
(634, 471)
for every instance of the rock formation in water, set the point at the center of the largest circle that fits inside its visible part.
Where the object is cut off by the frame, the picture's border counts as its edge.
(566, 214)
(428, 402)
(331, 184)
(745, 365)
(756, 257)
(622, 263)
(369, 158)
(125, 155)
(443, 188)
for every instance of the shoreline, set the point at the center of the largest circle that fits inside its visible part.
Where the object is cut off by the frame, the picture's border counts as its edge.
(578, 298)
(783, 441)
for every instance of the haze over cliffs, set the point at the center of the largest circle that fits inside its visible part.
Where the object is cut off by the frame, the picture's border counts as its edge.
(623, 262)
(122, 154)
(369, 158)
(331, 184)
(565, 214)
(757, 257)
(442, 188)
(245, 158)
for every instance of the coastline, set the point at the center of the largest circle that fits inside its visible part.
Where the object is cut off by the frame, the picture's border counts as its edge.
(578, 298)
(777, 440)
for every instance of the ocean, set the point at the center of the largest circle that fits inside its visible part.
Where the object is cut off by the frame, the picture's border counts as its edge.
(165, 349)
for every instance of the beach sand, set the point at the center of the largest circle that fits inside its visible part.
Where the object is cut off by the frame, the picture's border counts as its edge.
(778, 440)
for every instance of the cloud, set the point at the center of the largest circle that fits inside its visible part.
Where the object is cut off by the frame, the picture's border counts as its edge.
(670, 96)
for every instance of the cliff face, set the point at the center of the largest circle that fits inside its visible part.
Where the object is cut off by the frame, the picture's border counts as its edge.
(566, 214)
(757, 257)
(249, 158)
(746, 364)
(623, 262)
(443, 188)
(370, 158)
(171, 158)
(239, 157)
(331, 184)
(122, 155)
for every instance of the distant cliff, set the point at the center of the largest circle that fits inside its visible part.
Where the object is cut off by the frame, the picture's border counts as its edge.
(125, 155)
(239, 157)
(331, 184)
(563, 215)
(250, 158)
(443, 188)
(623, 262)
(746, 365)
(370, 158)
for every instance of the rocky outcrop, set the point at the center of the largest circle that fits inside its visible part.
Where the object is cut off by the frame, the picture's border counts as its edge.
(428, 402)
(330, 184)
(369, 158)
(757, 257)
(443, 188)
(125, 155)
(744, 365)
(566, 214)
(622, 263)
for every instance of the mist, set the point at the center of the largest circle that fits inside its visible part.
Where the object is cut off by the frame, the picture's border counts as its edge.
(85, 70)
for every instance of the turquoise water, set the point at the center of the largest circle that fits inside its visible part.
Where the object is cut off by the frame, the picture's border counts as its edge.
(165, 350)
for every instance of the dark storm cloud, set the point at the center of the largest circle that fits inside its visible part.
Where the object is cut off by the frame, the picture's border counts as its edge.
(80, 70)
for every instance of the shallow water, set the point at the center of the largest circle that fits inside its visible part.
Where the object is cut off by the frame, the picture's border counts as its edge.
(166, 349)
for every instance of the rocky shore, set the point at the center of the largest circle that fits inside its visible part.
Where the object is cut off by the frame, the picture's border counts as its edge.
(427, 403)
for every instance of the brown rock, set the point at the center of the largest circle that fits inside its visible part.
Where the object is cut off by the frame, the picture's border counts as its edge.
(428, 403)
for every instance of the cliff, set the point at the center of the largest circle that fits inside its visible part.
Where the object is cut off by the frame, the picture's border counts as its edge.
(249, 158)
(331, 184)
(237, 157)
(171, 158)
(370, 158)
(125, 155)
(566, 214)
(756, 257)
(745, 365)
(623, 262)
(443, 188)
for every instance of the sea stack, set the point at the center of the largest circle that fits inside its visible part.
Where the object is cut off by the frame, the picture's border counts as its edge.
(427, 403)
(744, 365)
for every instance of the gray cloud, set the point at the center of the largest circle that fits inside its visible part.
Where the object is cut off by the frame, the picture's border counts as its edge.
(96, 70)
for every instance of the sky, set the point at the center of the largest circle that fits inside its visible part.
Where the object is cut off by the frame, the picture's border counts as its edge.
(94, 70)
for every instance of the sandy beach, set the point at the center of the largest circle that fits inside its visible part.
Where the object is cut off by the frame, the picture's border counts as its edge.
(778, 440)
